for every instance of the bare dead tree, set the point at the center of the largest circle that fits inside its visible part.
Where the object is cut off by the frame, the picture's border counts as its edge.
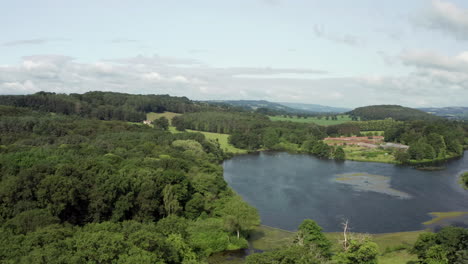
(345, 235)
(299, 239)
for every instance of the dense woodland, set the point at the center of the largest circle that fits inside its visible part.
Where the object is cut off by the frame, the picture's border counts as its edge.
(429, 140)
(77, 190)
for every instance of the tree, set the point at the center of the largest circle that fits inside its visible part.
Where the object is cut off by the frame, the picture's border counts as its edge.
(339, 154)
(402, 156)
(437, 142)
(57, 192)
(421, 150)
(310, 233)
(31, 220)
(360, 251)
(447, 246)
(161, 123)
(321, 149)
(270, 138)
(293, 254)
(171, 203)
(424, 242)
(239, 216)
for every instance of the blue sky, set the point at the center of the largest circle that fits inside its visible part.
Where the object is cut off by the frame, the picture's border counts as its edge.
(340, 53)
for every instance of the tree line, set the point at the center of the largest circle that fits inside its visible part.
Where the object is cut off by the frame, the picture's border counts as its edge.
(429, 140)
(106, 105)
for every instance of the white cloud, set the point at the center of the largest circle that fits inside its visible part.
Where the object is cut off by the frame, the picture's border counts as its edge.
(152, 76)
(347, 39)
(446, 17)
(37, 41)
(180, 79)
(24, 42)
(19, 88)
(433, 60)
(436, 80)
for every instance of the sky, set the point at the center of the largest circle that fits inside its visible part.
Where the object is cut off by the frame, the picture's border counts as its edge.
(329, 52)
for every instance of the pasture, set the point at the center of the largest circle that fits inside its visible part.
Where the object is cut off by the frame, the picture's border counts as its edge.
(223, 140)
(153, 116)
(322, 121)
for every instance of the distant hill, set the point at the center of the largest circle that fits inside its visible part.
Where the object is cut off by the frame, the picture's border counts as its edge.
(291, 108)
(452, 112)
(397, 112)
(316, 108)
(255, 104)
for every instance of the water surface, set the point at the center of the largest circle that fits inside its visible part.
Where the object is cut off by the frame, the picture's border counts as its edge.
(287, 188)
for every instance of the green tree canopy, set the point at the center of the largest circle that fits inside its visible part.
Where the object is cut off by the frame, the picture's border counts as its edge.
(239, 216)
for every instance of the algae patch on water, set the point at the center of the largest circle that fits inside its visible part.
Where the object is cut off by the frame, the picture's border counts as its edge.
(371, 183)
(444, 216)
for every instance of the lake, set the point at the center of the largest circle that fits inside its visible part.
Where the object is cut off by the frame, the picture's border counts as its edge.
(374, 197)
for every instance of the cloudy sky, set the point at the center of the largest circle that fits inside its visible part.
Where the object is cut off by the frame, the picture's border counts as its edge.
(330, 52)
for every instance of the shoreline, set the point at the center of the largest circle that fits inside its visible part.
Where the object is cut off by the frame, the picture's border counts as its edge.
(413, 164)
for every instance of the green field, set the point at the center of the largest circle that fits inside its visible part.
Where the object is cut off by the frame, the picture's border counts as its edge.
(222, 139)
(372, 133)
(358, 153)
(153, 116)
(319, 121)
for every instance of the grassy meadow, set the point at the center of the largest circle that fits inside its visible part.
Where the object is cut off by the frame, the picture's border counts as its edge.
(319, 121)
(372, 133)
(153, 116)
(222, 139)
(358, 153)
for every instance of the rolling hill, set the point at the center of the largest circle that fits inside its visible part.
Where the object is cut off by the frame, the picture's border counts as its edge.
(316, 108)
(451, 112)
(291, 108)
(397, 112)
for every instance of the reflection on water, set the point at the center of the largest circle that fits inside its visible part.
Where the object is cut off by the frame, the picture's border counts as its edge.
(288, 188)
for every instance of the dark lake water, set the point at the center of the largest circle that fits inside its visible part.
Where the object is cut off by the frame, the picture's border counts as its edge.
(287, 188)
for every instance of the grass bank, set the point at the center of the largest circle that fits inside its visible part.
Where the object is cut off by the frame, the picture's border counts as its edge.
(393, 246)
(441, 216)
(316, 120)
(358, 153)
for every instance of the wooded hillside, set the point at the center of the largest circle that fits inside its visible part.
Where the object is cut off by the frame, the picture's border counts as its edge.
(396, 112)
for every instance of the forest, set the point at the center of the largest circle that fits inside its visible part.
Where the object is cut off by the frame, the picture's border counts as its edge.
(106, 105)
(78, 190)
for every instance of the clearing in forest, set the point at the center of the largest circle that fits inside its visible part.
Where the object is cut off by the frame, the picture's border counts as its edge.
(323, 121)
(153, 116)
